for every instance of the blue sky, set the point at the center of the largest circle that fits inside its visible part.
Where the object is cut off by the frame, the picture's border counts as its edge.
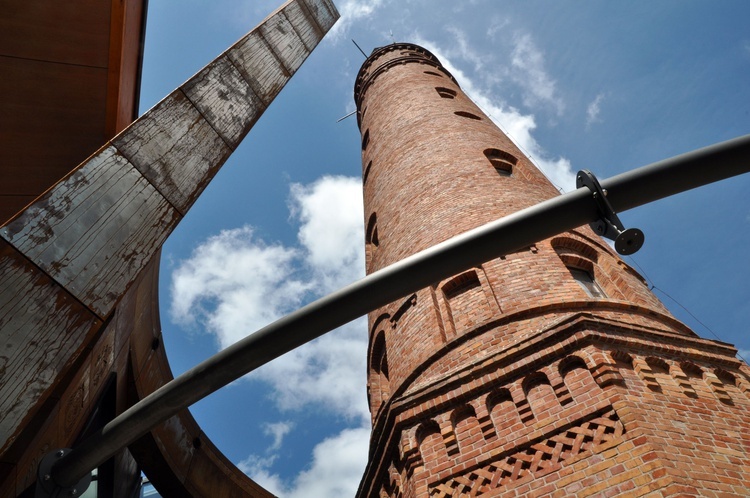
(606, 86)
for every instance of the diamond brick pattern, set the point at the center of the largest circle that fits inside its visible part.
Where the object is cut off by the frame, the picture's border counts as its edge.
(533, 458)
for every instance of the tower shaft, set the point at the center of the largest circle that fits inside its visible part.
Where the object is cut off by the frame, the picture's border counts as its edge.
(550, 371)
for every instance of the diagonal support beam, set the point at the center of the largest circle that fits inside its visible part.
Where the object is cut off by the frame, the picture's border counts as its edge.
(70, 256)
(472, 248)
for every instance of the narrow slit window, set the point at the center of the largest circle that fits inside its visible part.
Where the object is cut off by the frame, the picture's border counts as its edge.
(372, 231)
(501, 161)
(365, 139)
(468, 115)
(587, 283)
(446, 93)
(433, 73)
(366, 173)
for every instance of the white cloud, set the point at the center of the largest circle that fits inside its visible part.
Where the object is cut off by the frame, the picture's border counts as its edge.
(277, 430)
(464, 49)
(337, 465)
(234, 284)
(328, 373)
(259, 470)
(497, 26)
(332, 230)
(528, 62)
(352, 11)
(592, 111)
(517, 126)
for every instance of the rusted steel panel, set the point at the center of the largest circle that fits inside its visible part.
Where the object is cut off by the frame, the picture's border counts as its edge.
(284, 41)
(225, 99)
(42, 330)
(175, 148)
(324, 11)
(260, 67)
(95, 230)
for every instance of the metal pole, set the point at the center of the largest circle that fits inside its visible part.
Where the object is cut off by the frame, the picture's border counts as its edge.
(409, 275)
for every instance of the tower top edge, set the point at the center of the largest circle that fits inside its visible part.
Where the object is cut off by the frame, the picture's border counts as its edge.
(383, 58)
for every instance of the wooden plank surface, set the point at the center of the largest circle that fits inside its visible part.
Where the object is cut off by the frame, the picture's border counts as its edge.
(95, 230)
(42, 329)
(324, 11)
(70, 256)
(304, 24)
(225, 100)
(175, 148)
(284, 41)
(260, 67)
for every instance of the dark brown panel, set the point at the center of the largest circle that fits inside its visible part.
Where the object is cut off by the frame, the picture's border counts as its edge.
(52, 119)
(68, 32)
(124, 64)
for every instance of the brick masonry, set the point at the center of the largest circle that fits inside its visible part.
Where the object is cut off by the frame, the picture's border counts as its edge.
(552, 371)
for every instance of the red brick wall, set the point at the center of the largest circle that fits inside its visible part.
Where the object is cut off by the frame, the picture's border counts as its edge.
(509, 379)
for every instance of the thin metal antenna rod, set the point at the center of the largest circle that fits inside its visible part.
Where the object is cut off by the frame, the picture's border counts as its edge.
(350, 114)
(360, 48)
(511, 233)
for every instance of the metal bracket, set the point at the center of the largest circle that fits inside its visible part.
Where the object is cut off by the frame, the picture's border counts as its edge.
(609, 225)
(45, 484)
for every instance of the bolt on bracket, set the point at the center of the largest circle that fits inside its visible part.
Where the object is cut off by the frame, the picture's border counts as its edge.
(609, 225)
(45, 484)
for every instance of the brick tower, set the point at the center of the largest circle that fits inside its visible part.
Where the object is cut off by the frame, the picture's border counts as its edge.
(552, 371)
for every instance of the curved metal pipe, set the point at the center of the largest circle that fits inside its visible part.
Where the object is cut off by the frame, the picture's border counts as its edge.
(519, 230)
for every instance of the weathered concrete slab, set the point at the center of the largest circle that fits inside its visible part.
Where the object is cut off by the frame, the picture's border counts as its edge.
(225, 100)
(175, 149)
(95, 230)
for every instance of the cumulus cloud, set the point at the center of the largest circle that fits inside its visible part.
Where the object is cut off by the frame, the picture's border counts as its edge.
(592, 111)
(234, 283)
(277, 430)
(331, 232)
(352, 11)
(338, 463)
(517, 126)
(528, 62)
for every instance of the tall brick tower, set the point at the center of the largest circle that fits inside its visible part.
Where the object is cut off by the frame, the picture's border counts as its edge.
(552, 371)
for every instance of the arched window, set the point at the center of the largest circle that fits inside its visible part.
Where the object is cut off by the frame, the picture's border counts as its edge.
(586, 280)
(502, 161)
(366, 172)
(446, 93)
(372, 231)
(468, 115)
(580, 259)
(365, 139)
(468, 306)
(379, 365)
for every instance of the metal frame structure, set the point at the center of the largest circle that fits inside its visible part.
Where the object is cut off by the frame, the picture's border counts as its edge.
(508, 234)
